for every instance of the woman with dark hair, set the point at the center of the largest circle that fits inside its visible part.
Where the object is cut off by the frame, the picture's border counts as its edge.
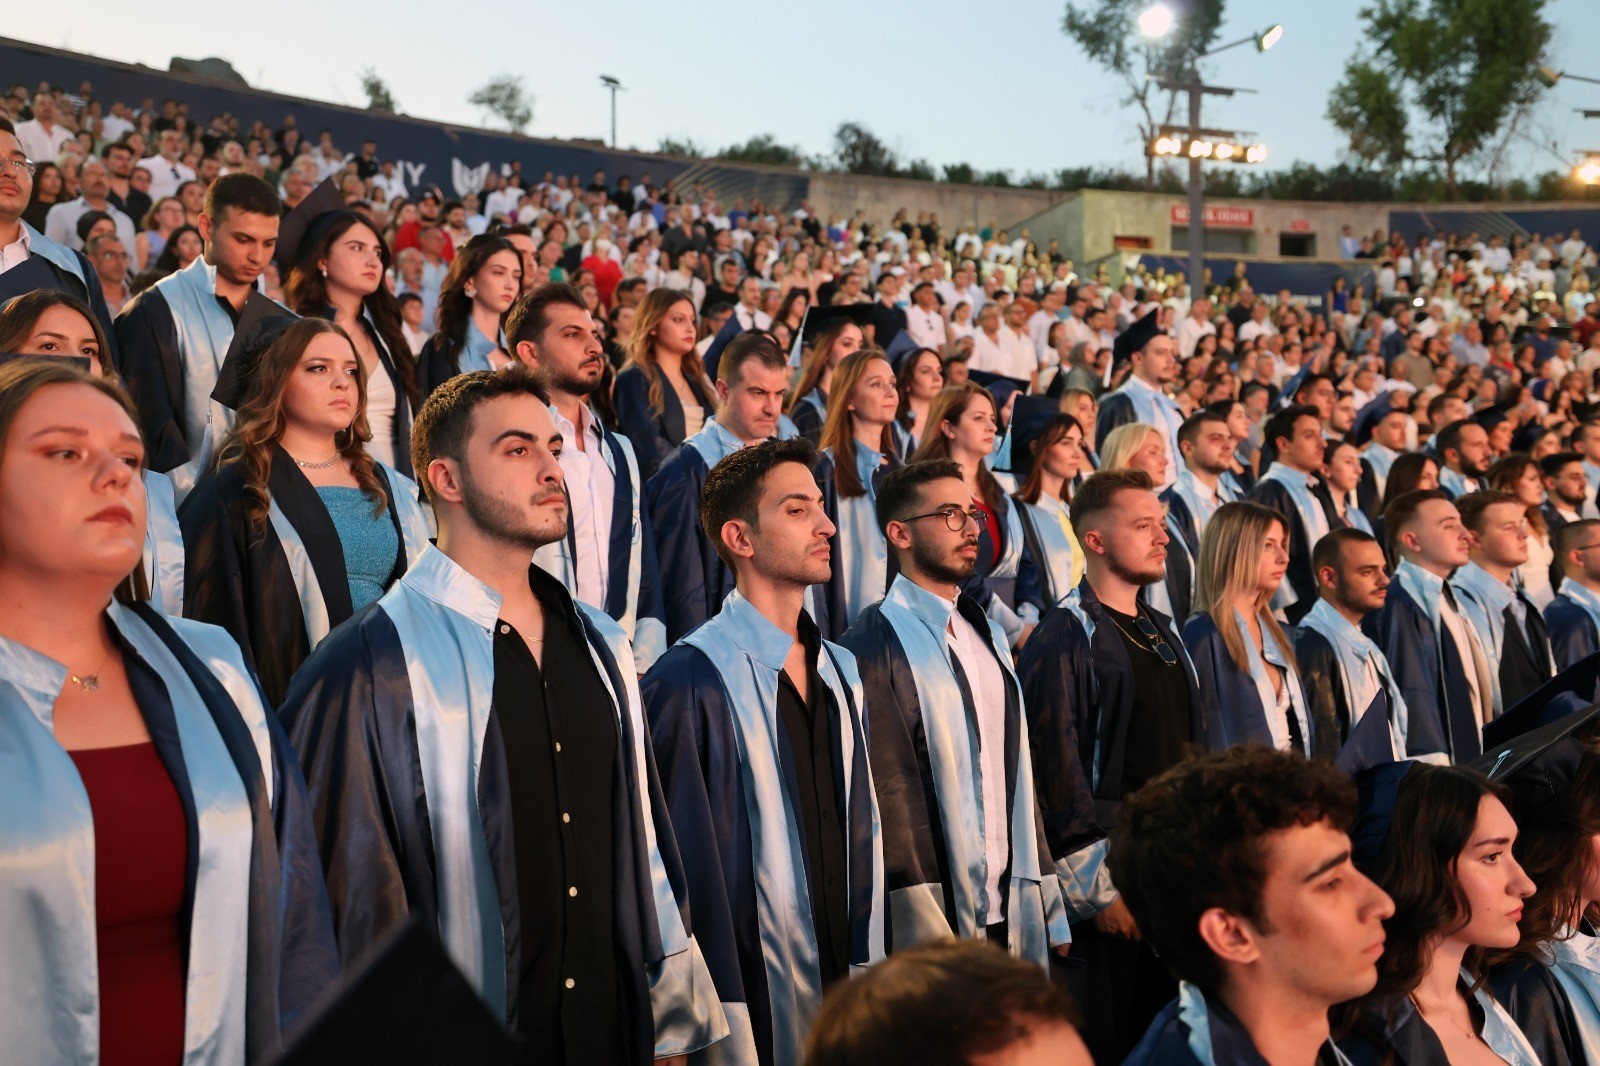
(338, 274)
(295, 527)
(54, 324)
(164, 218)
(1341, 476)
(483, 282)
(182, 248)
(857, 454)
(1550, 981)
(48, 190)
(162, 898)
(1439, 840)
(807, 405)
(792, 311)
(1054, 456)
(920, 379)
(92, 224)
(662, 393)
(1411, 471)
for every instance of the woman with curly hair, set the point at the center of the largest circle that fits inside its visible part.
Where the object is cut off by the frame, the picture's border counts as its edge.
(295, 527)
(483, 282)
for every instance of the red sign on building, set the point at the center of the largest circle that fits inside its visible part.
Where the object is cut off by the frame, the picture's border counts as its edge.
(1299, 225)
(1217, 217)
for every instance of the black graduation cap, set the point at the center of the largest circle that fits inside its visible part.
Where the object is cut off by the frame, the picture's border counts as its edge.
(294, 227)
(1368, 417)
(1370, 742)
(1539, 765)
(1377, 789)
(260, 322)
(30, 275)
(1490, 416)
(1573, 688)
(1526, 435)
(406, 1003)
(1134, 338)
(1029, 417)
(818, 319)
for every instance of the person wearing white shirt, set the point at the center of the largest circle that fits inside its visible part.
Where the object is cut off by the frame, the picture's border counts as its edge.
(42, 137)
(923, 321)
(116, 125)
(167, 171)
(1196, 324)
(748, 310)
(1039, 323)
(1258, 326)
(990, 352)
(61, 223)
(504, 201)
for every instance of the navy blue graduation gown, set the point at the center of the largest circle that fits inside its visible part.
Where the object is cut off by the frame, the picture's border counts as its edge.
(838, 612)
(654, 436)
(695, 580)
(1323, 681)
(1195, 1019)
(1299, 575)
(1233, 710)
(1530, 993)
(1404, 633)
(1572, 631)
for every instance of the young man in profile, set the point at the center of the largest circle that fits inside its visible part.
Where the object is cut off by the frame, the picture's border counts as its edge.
(1237, 868)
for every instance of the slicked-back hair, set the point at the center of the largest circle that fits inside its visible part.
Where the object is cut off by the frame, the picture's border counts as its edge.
(901, 491)
(242, 192)
(1449, 438)
(529, 317)
(1195, 837)
(1099, 491)
(445, 421)
(733, 488)
(1475, 505)
(1281, 425)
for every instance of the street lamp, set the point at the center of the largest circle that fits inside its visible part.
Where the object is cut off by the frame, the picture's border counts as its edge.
(614, 85)
(1550, 75)
(1156, 21)
(1588, 172)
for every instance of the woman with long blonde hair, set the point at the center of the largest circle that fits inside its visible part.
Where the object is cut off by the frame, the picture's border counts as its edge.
(807, 405)
(857, 453)
(1249, 682)
(662, 393)
(295, 527)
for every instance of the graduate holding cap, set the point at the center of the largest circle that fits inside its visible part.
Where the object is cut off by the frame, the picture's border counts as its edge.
(827, 335)
(295, 527)
(1143, 397)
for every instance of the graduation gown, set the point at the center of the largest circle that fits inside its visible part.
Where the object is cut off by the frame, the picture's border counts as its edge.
(862, 563)
(70, 272)
(1573, 620)
(633, 584)
(171, 341)
(1174, 595)
(654, 436)
(1537, 1001)
(733, 797)
(1333, 657)
(279, 589)
(1237, 702)
(258, 937)
(1007, 588)
(1441, 720)
(163, 545)
(1300, 579)
(437, 363)
(1519, 655)
(1049, 540)
(1407, 1040)
(410, 790)
(400, 430)
(1137, 402)
(1198, 1030)
(926, 764)
(808, 414)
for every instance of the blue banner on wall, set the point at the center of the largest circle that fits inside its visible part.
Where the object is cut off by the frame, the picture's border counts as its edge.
(1310, 280)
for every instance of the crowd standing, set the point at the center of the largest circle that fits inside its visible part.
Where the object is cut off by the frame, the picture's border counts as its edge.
(900, 601)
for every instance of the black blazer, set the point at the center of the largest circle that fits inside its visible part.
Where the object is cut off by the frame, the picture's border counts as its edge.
(654, 436)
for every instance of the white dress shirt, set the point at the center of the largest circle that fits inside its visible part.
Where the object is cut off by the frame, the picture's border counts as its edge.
(61, 223)
(591, 485)
(987, 685)
(165, 177)
(17, 252)
(1189, 334)
(39, 144)
(1009, 353)
(749, 319)
(926, 328)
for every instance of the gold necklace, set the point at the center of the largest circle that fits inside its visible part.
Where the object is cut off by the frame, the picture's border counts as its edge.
(90, 682)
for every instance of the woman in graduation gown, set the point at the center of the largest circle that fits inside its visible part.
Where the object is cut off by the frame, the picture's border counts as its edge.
(1052, 455)
(1249, 683)
(338, 275)
(1341, 477)
(49, 323)
(295, 527)
(857, 454)
(160, 894)
(1439, 840)
(808, 401)
(483, 282)
(962, 426)
(919, 380)
(662, 393)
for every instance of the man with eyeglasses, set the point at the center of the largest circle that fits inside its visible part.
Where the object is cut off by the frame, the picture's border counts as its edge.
(1573, 617)
(1508, 624)
(963, 850)
(32, 260)
(1112, 701)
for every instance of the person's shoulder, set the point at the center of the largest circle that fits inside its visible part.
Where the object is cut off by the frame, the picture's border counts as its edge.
(1200, 628)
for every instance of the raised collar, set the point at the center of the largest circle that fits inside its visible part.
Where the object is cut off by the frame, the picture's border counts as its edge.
(930, 607)
(753, 633)
(437, 577)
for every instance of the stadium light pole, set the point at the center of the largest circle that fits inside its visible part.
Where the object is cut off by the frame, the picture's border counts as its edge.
(613, 84)
(1157, 21)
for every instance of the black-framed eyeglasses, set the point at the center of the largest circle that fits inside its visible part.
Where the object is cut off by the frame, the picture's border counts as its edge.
(27, 166)
(955, 519)
(1158, 643)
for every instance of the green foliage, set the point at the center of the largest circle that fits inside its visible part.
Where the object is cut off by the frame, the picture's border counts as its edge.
(859, 151)
(686, 148)
(1437, 81)
(960, 173)
(505, 98)
(764, 148)
(379, 96)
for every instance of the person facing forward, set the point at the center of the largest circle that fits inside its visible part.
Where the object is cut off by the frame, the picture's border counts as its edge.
(963, 852)
(1238, 870)
(759, 727)
(160, 899)
(532, 836)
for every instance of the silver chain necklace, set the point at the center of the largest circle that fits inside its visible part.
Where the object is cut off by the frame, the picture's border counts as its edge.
(302, 464)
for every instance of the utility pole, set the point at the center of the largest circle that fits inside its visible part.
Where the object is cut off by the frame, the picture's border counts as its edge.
(613, 84)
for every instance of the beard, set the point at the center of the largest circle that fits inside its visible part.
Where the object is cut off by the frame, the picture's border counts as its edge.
(940, 566)
(1133, 575)
(574, 383)
(504, 521)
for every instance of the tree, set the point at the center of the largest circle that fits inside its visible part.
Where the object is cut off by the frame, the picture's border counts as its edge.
(505, 98)
(764, 148)
(687, 148)
(1437, 81)
(1108, 33)
(379, 96)
(859, 151)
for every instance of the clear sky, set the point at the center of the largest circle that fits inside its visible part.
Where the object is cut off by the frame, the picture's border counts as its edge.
(995, 85)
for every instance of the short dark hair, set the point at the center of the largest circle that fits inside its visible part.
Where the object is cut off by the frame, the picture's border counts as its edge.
(902, 488)
(529, 317)
(444, 423)
(1281, 425)
(1552, 465)
(1474, 505)
(1436, 405)
(407, 298)
(1194, 838)
(242, 192)
(733, 487)
(1250, 388)
(1567, 536)
(1189, 432)
(1450, 436)
(1403, 509)
(7, 127)
(938, 1004)
(1330, 549)
(1099, 491)
(751, 344)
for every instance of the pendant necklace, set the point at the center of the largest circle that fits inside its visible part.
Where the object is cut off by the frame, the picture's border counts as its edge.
(90, 682)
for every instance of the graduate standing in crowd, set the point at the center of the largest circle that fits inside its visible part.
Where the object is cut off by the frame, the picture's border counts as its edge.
(663, 396)
(1138, 446)
(1288, 487)
(827, 336)
(1205, 479)
(608, 557)
(160, 894)
(759, 727)
(1573, 617)
(485, 279)
(963, 852)
(1152, 354)
(294, 527)
(1380, 433)
(1047, 454)
(173, 338)
(477, 757)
